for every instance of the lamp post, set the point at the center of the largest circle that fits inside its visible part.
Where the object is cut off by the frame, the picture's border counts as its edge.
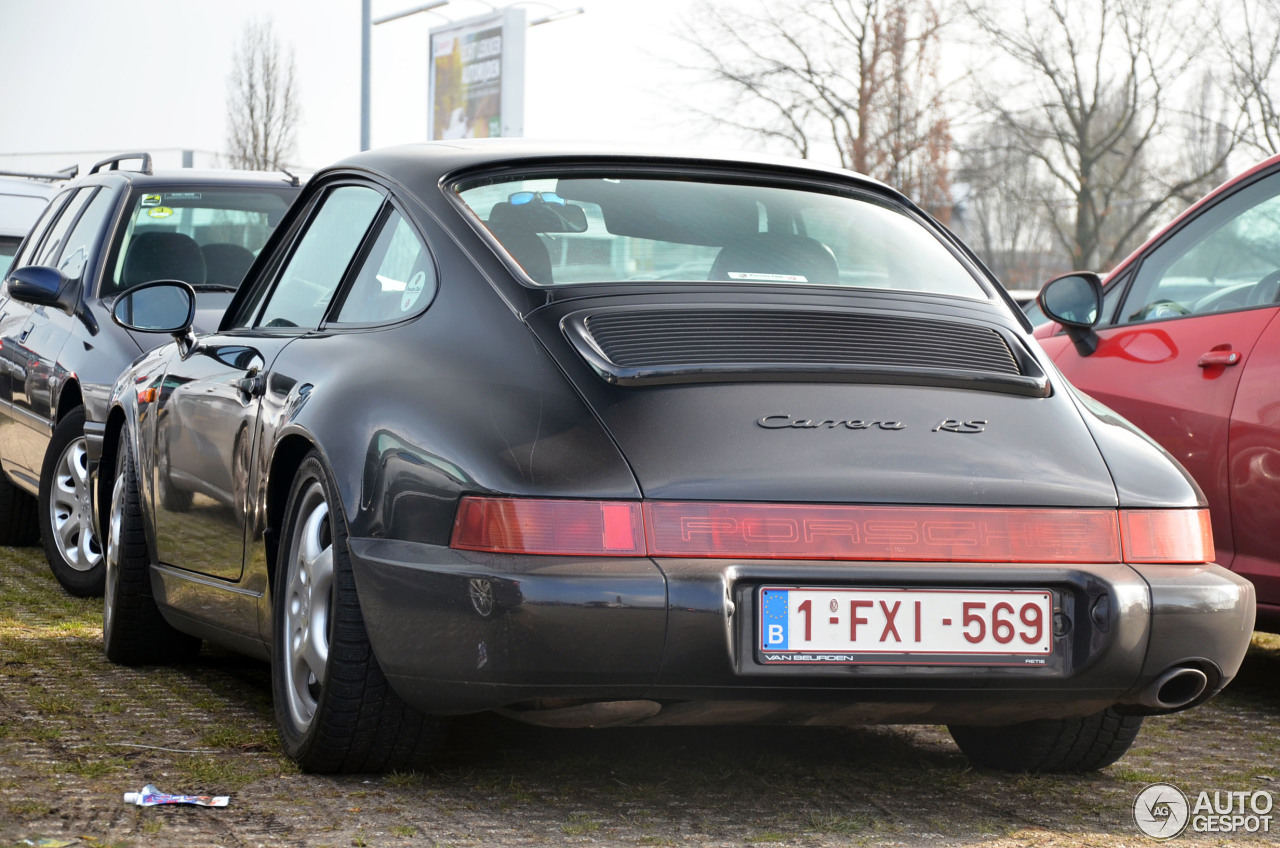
(367, 24)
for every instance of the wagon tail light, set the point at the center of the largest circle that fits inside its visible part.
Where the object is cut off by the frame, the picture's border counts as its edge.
(831, 532)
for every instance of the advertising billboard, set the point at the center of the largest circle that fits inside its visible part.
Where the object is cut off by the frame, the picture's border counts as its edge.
(476, 77)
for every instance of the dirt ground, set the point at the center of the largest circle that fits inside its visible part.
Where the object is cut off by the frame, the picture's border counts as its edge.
(76, 732)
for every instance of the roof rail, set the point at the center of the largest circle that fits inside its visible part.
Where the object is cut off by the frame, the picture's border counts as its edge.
(64, 174)
(114, 162)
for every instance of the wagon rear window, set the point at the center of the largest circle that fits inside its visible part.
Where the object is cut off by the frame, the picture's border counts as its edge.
(567, 230)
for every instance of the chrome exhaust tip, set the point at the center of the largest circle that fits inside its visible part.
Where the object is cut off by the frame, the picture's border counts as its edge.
(1176, 688)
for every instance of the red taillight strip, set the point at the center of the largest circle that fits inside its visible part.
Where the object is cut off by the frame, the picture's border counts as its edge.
(911, 533)
(830, 532)
(1167, 535)
(553, 527)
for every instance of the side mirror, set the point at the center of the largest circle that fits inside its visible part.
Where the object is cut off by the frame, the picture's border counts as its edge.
(1075, 302)
(38, 285)
(164, 306)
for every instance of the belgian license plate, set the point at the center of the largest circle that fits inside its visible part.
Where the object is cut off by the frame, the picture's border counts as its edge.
(934, 626)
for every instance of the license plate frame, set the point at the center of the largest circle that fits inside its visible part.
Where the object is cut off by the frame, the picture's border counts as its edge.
(916, 626)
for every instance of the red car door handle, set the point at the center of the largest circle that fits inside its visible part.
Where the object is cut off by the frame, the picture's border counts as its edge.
(1220, 357)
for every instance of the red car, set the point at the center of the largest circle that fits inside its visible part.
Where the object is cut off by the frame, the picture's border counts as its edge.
(1182, 338)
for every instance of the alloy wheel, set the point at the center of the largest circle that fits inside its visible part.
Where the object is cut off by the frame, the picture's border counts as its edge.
(309, 591)
(71, 509)
(114, 524)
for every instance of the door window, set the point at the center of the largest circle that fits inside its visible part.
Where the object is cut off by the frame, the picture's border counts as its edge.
(397, 278)
(82, 239)
(1227, 258)
(320, 261)
(37, 230)
(52, 244)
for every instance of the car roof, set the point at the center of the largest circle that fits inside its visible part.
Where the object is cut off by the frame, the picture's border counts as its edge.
(21, 202)
(26, 187)
(421, 165)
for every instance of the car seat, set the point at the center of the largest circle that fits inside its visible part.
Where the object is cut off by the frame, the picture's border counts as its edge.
(163, 256)
(225, 263)
(762, 256)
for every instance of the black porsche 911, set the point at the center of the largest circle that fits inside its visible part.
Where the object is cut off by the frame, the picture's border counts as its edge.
(602, 439)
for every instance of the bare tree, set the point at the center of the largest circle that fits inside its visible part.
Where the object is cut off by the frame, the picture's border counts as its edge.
(851, 80)
(1248, 40)
(1002, 211)
(1096, 109)
(262, 101)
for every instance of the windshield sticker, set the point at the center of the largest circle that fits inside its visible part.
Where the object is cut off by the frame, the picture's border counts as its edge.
(183, 195)
(151, 200)
(768, 278)
(413, 290)
(160, 212)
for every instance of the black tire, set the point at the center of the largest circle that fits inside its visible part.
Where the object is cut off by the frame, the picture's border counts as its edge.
(66, 510)
(133, 630)
(19, 518)
(1063, 745)
(346, 718)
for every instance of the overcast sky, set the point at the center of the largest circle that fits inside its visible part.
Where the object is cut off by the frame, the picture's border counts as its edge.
(93, 76)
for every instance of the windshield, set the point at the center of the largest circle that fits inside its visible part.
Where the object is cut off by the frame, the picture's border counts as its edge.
(567, 230)
(205, 237)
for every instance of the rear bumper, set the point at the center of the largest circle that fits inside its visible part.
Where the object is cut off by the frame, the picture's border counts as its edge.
(460, 632)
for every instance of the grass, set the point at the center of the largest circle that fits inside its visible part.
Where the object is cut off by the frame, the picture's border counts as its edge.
(76, 731)
(579, 824)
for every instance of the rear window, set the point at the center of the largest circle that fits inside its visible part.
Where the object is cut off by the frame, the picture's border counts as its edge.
(205, 237)
(578, 229)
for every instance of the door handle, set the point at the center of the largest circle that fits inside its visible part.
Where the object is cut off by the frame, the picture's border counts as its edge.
(26, 331)
(1220, 358)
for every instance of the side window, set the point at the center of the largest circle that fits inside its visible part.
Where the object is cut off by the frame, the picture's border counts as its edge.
(37, 231)
(52, 244)
(397, 278)
(320, 261)
(82, 239)
(1111, 298)
(1227, 258)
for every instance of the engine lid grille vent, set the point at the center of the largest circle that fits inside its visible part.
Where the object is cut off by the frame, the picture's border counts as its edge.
(648, 346)
(640, 339)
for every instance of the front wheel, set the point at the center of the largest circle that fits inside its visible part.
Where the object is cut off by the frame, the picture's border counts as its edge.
(133, 630)
(1060, 745)
(66, 510)
(334, 708)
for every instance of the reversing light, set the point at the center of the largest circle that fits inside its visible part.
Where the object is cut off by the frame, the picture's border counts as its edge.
(1167, 535)
(698, 529)
(563, 527)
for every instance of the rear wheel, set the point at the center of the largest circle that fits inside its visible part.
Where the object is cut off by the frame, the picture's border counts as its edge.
(1062, 745)
(334, 708)
(133, 631)
(66, 510)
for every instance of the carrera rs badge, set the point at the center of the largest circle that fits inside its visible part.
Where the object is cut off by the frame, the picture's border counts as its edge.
(787, 422)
